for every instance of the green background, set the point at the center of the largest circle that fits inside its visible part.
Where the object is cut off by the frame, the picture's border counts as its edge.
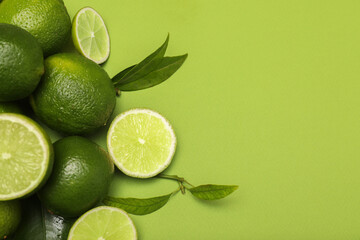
(268, 99)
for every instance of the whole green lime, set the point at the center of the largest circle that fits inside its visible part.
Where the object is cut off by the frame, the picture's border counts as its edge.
(75, 96)
(80, 179)
(47, 20)
(10, 107)
(10, 216)
(21, 63)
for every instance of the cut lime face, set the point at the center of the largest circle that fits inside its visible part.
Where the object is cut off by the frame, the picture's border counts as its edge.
(103, 223)
(90, 35)
(141, 143)
(25, 156)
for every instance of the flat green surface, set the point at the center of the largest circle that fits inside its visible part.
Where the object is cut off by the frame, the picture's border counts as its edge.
(268, 99)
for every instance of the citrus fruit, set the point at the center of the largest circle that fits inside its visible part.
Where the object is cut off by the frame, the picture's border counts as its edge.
(103, 223)
(75, 95)
(21, 63)
(80, 179)
(10, 216)
(47, 20)
(90, 35)
(141, 142)
(10, 107)
(26, 156)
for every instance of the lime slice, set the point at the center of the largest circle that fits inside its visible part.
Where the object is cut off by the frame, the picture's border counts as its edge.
(103, 223)
(90, 35)
(141, 143)
(26, 156)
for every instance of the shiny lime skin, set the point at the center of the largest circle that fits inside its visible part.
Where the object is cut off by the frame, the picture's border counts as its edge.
(75, 96)
(10, 216)
(21, 63)
(47, 20)
(80, 179)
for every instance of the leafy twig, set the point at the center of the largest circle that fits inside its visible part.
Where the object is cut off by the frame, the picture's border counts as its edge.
(144, 206)
(151, 71)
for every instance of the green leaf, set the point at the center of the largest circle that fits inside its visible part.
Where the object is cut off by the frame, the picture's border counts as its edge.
(167, 67)
(144, 67)
(212, 192)
(138, 206)
(122, 73)
(38, 224)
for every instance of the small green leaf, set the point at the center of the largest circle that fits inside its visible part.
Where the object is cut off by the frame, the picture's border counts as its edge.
(144, 67)
(138, 206)
(212, 192)
(167, 67)
(122, 73)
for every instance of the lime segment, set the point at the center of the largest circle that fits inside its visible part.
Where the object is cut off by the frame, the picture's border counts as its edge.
(103, 223)
(25, 156)
(141, 142)
(90, 35)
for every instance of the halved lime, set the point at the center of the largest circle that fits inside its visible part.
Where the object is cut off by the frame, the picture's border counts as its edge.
(90, 35)
(141, 143)
(26, 156)
(103, 223)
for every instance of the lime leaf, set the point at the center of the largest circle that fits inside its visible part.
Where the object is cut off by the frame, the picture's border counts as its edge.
(167, 67)
(38, 224)
(138, 206)
(122, 73)
(212, 192)
(144, 67)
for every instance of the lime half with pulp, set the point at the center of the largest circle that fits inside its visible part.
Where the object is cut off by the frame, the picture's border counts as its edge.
(90, 35)
(141, 143)
(26, 156)
(103, 223)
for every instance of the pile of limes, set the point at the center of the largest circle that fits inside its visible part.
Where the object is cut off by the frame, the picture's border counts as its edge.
(72, 94)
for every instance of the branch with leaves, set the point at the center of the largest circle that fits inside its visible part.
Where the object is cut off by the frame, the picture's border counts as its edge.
(143, 206)
(150, 72)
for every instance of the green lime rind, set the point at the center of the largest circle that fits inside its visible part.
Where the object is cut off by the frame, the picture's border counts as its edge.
(141, 142)
(47, 20)
(26, 156)
(21, 63)
(75, 95)
(10, 217)
(90, 35)
(115, 224)
(81, 177)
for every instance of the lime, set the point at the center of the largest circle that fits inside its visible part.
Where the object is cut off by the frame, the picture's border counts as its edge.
(21, 63)
(103, 223)
(81, 177)
(26, 156)
(90, 35)
(47, 20)
(10, 216)
(75, 96)
(10, 107)
(141, 142)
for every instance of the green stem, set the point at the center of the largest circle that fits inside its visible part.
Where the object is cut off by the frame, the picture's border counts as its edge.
(172, 177)
(180, 180)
